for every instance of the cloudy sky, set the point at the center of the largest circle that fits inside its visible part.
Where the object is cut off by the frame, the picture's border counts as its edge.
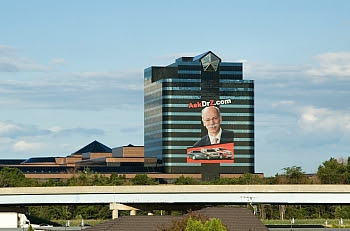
(71, 72)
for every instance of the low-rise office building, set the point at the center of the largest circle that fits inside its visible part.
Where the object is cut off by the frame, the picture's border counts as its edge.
(127, 160)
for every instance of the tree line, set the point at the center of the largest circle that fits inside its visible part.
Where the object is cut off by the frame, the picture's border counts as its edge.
(332, 171)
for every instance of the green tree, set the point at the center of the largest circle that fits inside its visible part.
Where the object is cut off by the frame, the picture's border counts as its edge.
(30, 228)
(143, 179)
(181, 180)
(180, 224)
(53, 183)
(209, 225)
(214, 225)
(295, 175)
(342, 212)
(13, 177)
(194, 225)
(116, 179)
(88, 178)
(224, 181)
(93, 212)
(48, 212)
(333, 172)
(195, 222)
(248, 178)
(292, 175)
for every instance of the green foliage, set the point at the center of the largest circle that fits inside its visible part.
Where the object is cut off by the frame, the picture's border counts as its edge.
(13, 177)
(209, 225)
(214, 225)
(342, 212)
(185, 181)
(299, 212)
(30, 228)
(225, 181)
(48, 212)
(53, 183)
(334, 172)
(304, 211)
(194, 225)
(295, 175)
(270, 180)
(143, 179)
(88, 178)
(195, 222)
(181, 224)
(70, 212)
(248, 178)
(116, 179)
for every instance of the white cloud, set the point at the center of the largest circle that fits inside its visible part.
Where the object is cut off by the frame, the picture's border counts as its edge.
(20, 64)
(11, 62)
(332, 64)
(55, 129)
(7, 50)
(12, 129)
(121, 79)
(17, 130)
(6, 128)
(86, 90)
(283, 103)
(256, 70)
(58, 61)
(27, 146)
(323, 120)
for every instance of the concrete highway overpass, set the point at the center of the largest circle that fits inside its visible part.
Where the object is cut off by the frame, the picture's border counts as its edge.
(178, 194)
(174, 197)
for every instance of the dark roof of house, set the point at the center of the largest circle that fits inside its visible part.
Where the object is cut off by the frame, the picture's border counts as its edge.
(95, 147)
(235, 219)
(134, 223)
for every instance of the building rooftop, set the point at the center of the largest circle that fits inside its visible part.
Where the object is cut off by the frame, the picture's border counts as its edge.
(94, 146)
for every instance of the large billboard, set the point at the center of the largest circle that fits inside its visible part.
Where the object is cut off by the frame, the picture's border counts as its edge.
(215, 153)
(216, 146)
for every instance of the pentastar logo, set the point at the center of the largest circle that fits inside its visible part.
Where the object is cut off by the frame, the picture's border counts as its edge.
(209, 103)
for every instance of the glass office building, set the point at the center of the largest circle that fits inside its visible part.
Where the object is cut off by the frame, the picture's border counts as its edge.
(174, 98)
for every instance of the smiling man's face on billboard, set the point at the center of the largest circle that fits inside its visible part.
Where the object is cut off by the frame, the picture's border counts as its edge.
(211, 119)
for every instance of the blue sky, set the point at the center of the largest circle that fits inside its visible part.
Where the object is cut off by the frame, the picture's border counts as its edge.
(71, 72)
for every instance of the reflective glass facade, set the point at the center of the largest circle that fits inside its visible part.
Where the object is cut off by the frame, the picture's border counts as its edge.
(174, 97)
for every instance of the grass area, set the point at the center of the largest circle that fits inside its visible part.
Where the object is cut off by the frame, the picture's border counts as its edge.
(335, 223)
(77, 222)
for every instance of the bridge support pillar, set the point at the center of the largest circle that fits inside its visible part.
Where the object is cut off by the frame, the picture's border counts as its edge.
(133, 212)
(115, 214)
(115, 207)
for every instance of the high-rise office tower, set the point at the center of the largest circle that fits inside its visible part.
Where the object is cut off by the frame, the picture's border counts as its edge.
(176, 94)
